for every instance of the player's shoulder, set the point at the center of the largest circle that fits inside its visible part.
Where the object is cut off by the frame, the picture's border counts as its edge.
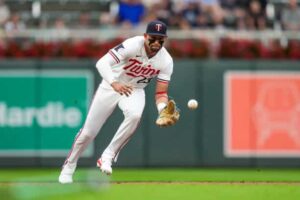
(165, 55)
(129, 47)
(134, 42)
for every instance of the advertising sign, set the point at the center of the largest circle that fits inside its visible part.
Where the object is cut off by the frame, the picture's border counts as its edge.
(262, 114)
(42, 111)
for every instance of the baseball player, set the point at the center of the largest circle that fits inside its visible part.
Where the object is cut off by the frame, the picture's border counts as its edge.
(125, 70)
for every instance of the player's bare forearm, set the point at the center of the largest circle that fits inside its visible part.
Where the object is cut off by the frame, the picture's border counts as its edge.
(161, 99)
(161, 95)
(161, 92)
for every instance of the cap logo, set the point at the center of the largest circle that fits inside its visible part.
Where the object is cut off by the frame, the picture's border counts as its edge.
(158, 27)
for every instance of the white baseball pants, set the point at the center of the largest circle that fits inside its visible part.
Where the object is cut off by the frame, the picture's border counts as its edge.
(103, 104)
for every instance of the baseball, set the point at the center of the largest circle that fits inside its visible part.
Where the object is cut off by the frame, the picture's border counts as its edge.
(192, 104)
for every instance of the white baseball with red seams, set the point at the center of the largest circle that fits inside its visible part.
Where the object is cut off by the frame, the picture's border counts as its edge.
(127, 63)
(192, 104)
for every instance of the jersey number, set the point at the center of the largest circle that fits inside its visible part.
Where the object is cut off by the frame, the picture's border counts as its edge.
(144, 80)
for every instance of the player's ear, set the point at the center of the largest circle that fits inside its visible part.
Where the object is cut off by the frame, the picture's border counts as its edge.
(145, 35)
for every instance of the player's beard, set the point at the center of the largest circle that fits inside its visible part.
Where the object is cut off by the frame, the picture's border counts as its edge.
(154, 49)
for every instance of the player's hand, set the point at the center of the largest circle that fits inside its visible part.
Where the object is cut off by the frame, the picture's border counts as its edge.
(122, 88)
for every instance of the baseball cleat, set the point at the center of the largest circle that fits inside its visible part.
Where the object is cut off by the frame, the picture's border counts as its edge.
(65, 178)
(66, 174)
(105, 166)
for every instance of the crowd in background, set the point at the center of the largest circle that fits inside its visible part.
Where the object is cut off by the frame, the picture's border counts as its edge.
(178, 14)
(190, 14)
(130, 14)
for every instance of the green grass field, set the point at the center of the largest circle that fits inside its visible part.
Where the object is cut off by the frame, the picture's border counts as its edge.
(153, 184)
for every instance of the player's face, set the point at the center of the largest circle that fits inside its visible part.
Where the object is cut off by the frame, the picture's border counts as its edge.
(154, 43)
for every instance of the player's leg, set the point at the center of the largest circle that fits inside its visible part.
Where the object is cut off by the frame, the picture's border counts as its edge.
(102, 106)
(132, 108)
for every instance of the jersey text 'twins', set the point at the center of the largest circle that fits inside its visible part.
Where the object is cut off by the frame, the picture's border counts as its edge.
(136, 69)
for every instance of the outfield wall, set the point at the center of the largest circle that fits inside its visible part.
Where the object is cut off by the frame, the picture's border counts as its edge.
(249, 115)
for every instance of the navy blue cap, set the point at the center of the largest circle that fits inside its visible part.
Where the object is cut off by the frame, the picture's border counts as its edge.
(156, 28)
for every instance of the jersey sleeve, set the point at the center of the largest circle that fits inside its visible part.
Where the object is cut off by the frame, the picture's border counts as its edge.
(165, 74)
(124, 50)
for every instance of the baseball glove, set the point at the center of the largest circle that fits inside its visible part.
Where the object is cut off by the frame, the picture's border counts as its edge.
(169, 115)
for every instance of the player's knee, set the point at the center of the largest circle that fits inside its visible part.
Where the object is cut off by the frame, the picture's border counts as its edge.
(134, 116)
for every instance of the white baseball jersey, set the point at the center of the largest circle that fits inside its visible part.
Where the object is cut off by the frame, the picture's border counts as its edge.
(135, 68)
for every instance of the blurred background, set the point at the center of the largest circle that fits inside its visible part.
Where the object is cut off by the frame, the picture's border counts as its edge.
(238, 58)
